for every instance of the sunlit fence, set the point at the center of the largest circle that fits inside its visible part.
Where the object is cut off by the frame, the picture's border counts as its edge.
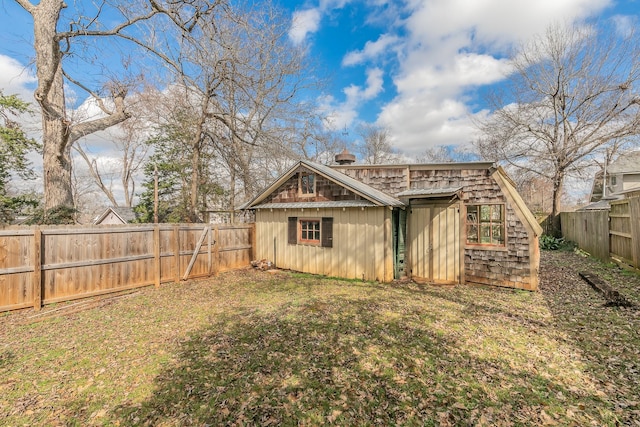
(44, 265)
(613, 234)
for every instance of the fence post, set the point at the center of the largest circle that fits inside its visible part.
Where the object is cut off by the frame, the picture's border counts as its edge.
(252, 242)
(216, 249)
(156, 255)
(209, 251)
(37, 269)
(176, 251)
(634, 212)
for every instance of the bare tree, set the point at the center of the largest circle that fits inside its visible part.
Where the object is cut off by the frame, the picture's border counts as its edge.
(129, 138)
(572, 93)
(56, 37)
(243, 80)
(446, 154)
(375, 147)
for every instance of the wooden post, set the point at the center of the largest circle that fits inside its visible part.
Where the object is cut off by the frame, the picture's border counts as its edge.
(156, 255)
(155, 193)
(37, 269)
(252, 242)
(388, 246)
(209, 252)
(176, 251)
(634, 217)
(216, 249)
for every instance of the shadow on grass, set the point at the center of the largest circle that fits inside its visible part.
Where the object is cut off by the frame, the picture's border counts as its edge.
(6, 358)
(346, 362)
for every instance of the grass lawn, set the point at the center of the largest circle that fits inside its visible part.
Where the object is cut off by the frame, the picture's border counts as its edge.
(252, 348)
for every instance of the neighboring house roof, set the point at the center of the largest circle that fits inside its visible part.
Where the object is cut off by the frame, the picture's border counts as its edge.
(377, 197)
(628, 163)
(596, 206)
(126, 215)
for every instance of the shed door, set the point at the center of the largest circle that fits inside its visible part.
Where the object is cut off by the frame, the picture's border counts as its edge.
(434, 243)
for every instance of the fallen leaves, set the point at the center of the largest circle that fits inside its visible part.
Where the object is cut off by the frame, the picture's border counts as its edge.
(253, 348)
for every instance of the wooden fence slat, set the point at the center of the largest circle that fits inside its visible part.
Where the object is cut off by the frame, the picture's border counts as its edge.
(37, 269)
(176, 251)
(634, 212)
(216, 249)
(157, 273)
(209, 253)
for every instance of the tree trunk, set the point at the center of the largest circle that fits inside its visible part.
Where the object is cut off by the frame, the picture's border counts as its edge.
(196, 147)
(50, 95)
(558, 182)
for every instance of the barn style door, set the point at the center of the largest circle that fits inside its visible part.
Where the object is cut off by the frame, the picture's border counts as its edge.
(433, 232)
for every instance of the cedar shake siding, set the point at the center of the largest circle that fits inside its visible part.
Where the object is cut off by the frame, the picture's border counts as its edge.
(326, 190)
(511, 266)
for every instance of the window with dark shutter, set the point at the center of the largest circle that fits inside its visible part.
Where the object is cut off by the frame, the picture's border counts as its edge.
(327, 232)
(293, 230)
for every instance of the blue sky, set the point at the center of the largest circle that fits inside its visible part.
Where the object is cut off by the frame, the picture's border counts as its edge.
(417, 67)
(420, 68)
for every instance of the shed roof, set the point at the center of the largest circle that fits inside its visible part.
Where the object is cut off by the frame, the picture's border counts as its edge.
(424, 193)
(313, 205)
(509, 189)
(377, 197)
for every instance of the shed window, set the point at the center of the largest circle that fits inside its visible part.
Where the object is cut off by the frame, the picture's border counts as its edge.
(485, 225)
(311, 231)
(307, 183)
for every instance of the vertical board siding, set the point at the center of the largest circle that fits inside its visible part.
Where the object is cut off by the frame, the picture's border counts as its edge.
(434, 243)
(77, 262)
(620, 237)
(358, 242)
(634, 213)
(589, 229)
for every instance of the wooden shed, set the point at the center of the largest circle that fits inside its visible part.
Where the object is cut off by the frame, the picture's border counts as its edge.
(438, 223)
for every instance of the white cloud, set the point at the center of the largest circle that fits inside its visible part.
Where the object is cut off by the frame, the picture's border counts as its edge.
(625, 25)
(303, 23)
(307, 21)
(356, 94)
(451, 48)
(16, 78)
(372, 50)
(344, 114)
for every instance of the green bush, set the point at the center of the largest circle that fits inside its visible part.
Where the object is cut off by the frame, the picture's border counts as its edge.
(550, 243)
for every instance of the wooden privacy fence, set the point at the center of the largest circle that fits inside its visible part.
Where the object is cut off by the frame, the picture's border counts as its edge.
(613, 234)
(44, 265)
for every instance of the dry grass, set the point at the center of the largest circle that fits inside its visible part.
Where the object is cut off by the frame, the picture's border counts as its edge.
(251, 348)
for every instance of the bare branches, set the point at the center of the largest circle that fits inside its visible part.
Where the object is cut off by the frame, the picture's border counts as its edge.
(573, 92)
